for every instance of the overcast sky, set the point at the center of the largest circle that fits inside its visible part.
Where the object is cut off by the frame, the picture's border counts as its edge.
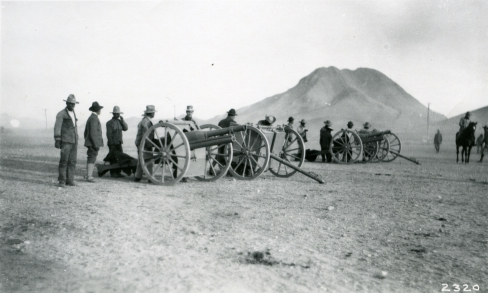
(217, 55)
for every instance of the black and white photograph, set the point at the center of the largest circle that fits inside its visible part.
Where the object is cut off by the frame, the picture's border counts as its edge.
(244, 146)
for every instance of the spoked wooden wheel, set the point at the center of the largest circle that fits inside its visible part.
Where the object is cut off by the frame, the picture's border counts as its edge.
(251, 154)
(384, 148)
(370, 149)
(395, 147)
(164, 154)
(347, 147)
(217, 158)
(292, 150)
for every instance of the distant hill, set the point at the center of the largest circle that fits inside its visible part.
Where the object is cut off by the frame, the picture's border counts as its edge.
(340, 96)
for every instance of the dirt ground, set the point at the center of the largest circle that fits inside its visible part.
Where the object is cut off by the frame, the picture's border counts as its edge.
(385, 227)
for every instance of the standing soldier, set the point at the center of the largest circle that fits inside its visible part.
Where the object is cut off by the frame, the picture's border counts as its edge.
(66, 139)
(326, 141)
(142, 127)
(115, 126)
(231, 117)
(437, 140)
(302, 130)
(366, 130)
(93, 139)
(479, 143)
(188, 117)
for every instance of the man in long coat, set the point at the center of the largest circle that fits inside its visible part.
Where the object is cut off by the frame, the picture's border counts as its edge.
(231, 117)
(142, 127)
(115, 126)
(326, 141)
(93, 139)
(437, 140)
(66, 139)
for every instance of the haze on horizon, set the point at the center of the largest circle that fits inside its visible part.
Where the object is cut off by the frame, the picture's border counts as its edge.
(217, 55)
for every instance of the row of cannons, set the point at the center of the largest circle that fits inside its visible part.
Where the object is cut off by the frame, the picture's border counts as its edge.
(351, 147)
(170, 151)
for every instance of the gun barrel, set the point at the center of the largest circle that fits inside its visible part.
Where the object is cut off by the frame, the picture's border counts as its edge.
(308, 174)
(202, 135)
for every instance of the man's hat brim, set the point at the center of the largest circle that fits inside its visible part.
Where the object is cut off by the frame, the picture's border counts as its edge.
(95, 109)
(71, 102)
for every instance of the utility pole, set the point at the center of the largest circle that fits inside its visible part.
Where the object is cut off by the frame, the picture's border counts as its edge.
(428, 121)
(45, 114)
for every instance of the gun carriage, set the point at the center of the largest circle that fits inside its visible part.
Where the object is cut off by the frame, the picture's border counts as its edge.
(279, 150)
(351, 147)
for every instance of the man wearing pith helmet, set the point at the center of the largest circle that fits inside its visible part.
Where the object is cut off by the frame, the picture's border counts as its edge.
(115, 126)
(66, 139)
(93, 139)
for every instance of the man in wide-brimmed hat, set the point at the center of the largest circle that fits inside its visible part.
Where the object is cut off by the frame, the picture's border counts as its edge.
(326, 141)
(365, 130)
(268, 120)
(142, 127)
(189, 117)
(93, 139)
(115, 126)
(66, 139)
(302, 130)
(231, 117)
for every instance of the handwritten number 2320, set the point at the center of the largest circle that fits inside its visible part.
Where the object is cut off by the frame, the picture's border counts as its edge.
(457, 288)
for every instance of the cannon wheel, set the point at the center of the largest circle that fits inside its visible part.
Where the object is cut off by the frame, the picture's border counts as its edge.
(383, 150)
(170, 154)
(251, 154)
(346, 141)
(395, 145)
(370, 150)
(214, 168)
(293, 142)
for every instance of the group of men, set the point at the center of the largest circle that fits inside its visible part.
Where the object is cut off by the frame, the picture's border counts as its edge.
(66, 138)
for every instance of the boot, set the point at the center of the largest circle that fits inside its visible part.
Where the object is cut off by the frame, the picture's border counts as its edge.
(89, 173)
(482, 155)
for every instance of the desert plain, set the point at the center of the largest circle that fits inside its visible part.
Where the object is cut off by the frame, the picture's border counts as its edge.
(376, 227)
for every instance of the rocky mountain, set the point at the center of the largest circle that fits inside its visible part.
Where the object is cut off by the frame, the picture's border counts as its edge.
(340, 96)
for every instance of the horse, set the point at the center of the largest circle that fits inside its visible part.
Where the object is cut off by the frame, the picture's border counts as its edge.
(466, 139)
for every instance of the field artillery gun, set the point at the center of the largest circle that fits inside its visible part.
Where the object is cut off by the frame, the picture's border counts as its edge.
(277, 149)
(170, 151)
(350, 147)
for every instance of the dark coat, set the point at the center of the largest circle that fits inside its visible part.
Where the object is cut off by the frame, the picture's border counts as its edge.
(325, 137)
(438, 138)
(194, 122)
(142, 127)
(224, 123)
(114, 131)
(64, 129)
(93, 132)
